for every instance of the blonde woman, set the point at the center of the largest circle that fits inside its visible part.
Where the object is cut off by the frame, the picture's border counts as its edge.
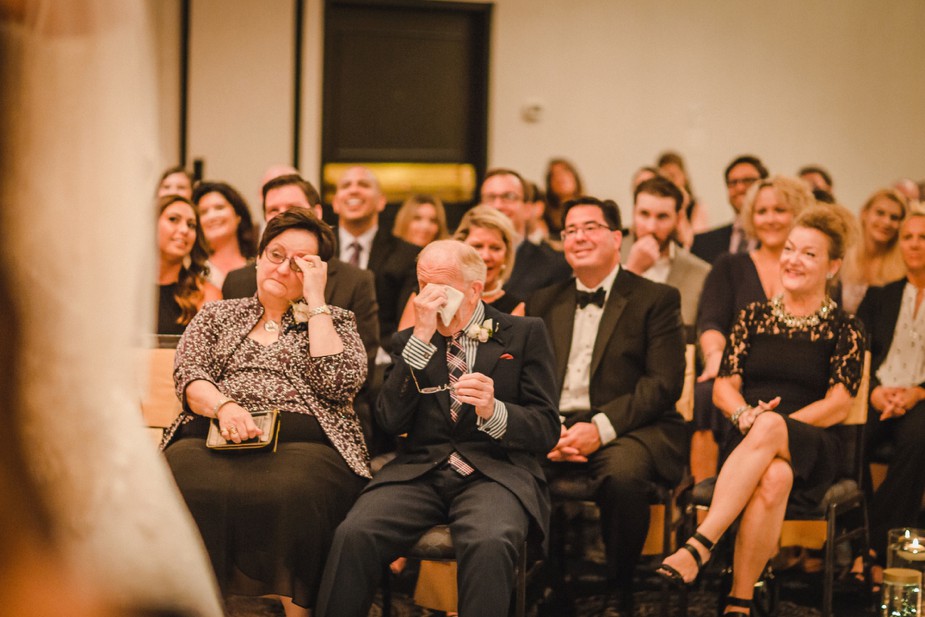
(421, 220)
(875, 260)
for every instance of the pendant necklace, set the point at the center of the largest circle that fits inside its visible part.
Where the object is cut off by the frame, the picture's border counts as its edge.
(271, 326)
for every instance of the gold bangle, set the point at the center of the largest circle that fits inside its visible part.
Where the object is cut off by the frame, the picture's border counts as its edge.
(221, 403)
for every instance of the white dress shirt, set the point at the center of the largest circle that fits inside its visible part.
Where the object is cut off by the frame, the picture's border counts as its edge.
(345, 241)
(904, 365)
(576, 388)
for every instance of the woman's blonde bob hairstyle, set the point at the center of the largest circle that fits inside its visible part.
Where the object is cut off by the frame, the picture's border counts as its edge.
(792, 192)
(486, 217)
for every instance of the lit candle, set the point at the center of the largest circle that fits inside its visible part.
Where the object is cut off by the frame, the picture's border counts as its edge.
(913, 550)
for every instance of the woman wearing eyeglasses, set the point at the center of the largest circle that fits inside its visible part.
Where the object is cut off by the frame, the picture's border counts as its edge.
(267, 517)
(738, 279)
(790, 370)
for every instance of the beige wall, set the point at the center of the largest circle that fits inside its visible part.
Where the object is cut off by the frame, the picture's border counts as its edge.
(794, 81)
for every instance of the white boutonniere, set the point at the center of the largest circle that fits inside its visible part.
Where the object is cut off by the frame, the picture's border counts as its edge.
(482, 333)
(300, 312)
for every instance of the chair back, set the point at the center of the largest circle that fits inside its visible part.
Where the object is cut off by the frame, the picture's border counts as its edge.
(685, 404)
(159, 403)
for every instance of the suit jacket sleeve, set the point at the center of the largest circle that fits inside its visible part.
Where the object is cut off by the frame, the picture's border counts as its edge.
(366, 309)
(398, 399)
(659, 386)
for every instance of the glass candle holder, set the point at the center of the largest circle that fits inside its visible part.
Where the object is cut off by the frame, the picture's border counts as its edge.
(906, 549)
(902, 593)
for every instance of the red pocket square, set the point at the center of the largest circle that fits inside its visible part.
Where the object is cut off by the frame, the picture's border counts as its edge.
(506, 356)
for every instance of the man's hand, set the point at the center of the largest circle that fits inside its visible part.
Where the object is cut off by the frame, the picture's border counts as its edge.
(643, 254)
(426, 306)
(477, 390)
(576, 443)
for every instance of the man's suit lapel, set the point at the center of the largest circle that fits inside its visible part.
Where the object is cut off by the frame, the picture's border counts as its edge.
(379, 251)
(562, 316)
(490, 351)
(613, 309)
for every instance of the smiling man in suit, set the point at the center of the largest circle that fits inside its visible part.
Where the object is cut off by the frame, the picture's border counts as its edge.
(364, 244)
(619, 347)
(475, 397)
(535, 265)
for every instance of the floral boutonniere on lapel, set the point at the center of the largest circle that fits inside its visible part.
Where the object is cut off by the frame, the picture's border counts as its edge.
(482, 333)
(300, 316)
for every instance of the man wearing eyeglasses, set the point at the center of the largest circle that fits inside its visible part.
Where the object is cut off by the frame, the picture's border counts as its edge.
(535, 265)
(619, 348)
(740, 175)
(473, 390)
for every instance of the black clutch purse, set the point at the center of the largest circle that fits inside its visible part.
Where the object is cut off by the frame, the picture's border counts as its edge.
(266, 421)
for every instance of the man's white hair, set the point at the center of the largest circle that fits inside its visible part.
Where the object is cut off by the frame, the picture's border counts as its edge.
(459, 254)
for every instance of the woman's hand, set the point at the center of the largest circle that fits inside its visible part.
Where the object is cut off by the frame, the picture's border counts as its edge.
(314, 277)
(236, 423)
(747, 419)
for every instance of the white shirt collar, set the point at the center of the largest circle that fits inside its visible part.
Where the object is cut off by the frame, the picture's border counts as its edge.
(607, 283)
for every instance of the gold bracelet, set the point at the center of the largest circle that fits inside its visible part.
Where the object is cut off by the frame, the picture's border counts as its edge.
(221, 403)
(324, 309)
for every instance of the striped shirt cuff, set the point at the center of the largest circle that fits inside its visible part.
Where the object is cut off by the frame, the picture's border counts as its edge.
(417, 353)
(496, 425)
(604, 427)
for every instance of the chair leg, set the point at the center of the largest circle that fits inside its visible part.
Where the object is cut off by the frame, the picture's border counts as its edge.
(829, 572)
(520, 602)
(387, 593)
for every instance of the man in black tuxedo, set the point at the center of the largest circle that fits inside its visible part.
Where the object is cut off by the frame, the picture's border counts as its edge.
(347, 286)
(364, 244)
(475, 397)
(893, 320)
(619, 346)
(535, 265)
(740, 175)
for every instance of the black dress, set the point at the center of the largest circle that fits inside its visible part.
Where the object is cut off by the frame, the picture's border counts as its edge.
(266, 518)
(168, 311)
(506, 303)
(799, 364)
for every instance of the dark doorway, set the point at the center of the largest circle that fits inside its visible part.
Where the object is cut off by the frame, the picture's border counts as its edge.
(407, 83)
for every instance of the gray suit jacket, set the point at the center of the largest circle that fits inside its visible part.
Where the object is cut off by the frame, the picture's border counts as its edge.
(687, 274)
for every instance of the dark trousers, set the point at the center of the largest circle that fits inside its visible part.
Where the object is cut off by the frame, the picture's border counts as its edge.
(622, 472)
(897, 501)
(486, 520)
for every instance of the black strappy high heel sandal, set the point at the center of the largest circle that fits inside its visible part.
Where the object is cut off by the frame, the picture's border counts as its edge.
(673, 575)
(738, 603)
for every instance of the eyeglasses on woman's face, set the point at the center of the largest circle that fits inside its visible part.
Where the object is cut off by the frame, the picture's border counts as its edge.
(276, 255)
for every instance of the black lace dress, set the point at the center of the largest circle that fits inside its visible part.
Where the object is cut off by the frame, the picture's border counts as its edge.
(798, 362)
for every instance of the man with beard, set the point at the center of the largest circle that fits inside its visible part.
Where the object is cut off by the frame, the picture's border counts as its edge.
(654, 252)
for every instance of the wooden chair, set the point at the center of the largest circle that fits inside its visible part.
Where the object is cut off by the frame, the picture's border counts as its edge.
(823, 531)
(159, 403)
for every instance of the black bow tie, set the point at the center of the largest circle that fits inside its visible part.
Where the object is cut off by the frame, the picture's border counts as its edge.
(591, 297)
